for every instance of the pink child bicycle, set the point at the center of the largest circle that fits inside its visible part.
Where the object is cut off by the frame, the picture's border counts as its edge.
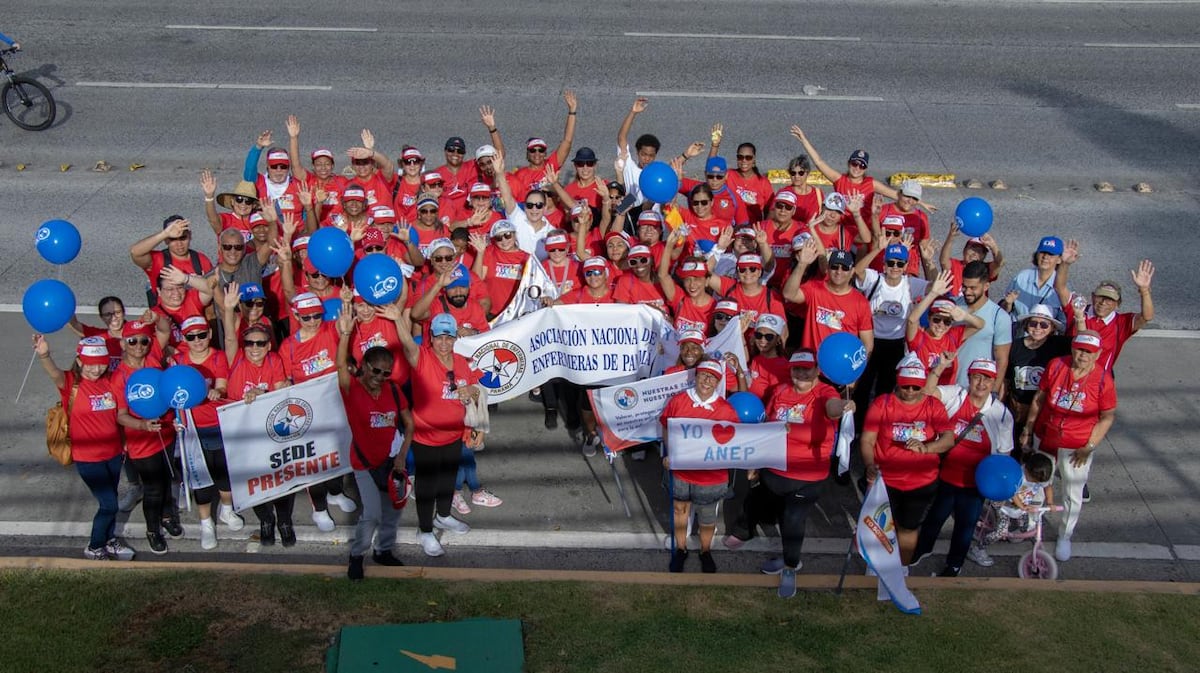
(1037, 563)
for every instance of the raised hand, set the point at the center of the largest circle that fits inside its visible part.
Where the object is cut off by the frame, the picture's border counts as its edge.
(208, 183)
(941, 284)
(569, 99)
(1143, 275)
(479, 242)
(717, 132)
(263, 140)
(177, 228)
(293, 126)
(233, 295)
(488, 116)
(693, 150)
(368, 139)
(639, 105)
(1070, 252)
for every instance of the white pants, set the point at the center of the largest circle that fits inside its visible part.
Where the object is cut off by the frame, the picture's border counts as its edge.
(378, 519)
(1073, 480)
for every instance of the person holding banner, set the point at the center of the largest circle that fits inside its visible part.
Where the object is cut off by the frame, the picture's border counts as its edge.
(257, 370)
(903, 436)
(982, 427)
(375, 409)
(699, 490)
(499, 262)
(443, 383)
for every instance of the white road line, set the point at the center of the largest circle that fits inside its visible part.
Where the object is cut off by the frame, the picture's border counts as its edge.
(1188, 106)
(1188, 552)
(203, 85)
(1168, 334)
(756, 96)
(731, 36)
(1141, 45)
(296, 29)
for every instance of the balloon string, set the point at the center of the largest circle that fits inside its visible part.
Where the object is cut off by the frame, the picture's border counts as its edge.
(24, 380)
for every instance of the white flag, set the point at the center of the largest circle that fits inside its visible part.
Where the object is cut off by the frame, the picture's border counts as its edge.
(845, 436)
(535, 284)
(195, 470)
(728, 340)
(879, 547)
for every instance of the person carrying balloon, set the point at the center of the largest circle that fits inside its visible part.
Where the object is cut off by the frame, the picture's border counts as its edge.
(982, 427)
(976, 248)
(1016, 513)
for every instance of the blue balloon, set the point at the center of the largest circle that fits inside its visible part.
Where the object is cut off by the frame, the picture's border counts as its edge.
(973, 216)
(998, 476)
(58, 241)
(183, 387)
(143, 392)
(378, 279)
(705, 245)
(333, 306)
(658, 182)
(748, 407)
(331, 251)
(842, 357)
(48, 305)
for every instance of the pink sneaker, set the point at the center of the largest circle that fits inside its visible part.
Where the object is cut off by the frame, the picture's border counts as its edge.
(460, 505)
(485, 498)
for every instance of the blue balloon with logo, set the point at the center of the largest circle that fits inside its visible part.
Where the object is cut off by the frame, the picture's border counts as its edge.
(333, 306)
(658, 182)
(842, 357)
(973, 216)
(143, 393)
(998, 477)
(57, 241)
(378, 279)
(183, 387)
(749, 408)
(331, 251)
(48, 305)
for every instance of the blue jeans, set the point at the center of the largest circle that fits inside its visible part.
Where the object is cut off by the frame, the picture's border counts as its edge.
(102, 478)
(965, 504)
(466, 468)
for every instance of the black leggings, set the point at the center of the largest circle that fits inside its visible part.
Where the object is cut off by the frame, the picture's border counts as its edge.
(436, 468)
(879, 377)
(219, 471)
(796, 499)
(318, 493)
(154, 473)
(277, 511)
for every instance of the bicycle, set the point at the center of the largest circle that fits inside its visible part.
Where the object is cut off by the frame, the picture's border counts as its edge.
(1037, 563)
(26, 101)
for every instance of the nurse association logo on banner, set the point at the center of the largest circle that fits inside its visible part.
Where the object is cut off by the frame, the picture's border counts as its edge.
(625, 398)
(880, 524)
(289, 420)
(502, 364)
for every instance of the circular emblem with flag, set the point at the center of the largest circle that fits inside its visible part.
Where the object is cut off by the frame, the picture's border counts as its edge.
(289, 420)
(503, 365)
(626, 398)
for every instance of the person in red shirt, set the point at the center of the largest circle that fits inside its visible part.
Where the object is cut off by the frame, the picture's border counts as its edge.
(974, 249)
(375, 409)
(90, 401)
(321, 179)
(1075, 407)
(177, 235)
(586, 186)
(808, 197)
(832, 228)
(638, 286)
(559, 266)
(727, 207)
(949, 326)
(353, 210)
(781, 227)
(530, 177)
(456, 174)
(915, 221)
(499, 263)
(751, 187)
(902, 439)
(242, 202)
(693, 307)
(698, 490)
(450, 293)
(478, 215)
(373, 170)
(375, 327)
(830, 305)
(409, 183)
(769, 362)
(443, 383)
(982, 427)
(703, 224)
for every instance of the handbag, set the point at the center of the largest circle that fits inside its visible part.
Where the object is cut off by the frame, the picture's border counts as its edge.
(58, 429)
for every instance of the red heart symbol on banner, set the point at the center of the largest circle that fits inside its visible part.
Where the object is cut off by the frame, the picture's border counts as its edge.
(723, 433)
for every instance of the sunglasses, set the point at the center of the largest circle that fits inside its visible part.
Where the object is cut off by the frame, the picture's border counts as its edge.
(107, 315)
(798, 172)
(138, 341)
(536, 150)
(411, 162)
(503, 237)
(428, 211)
(278, 167)
(638, 261)
(435, 185)
(748, 269)
(309, 317)
(839, 267)
(316, 274)
(896, 264)
(858, 164)
(255, 303)
(892, 233)
(183, 237)
(712, 176)
(1038, 324)
(698, 202)
(593, 272)
(910, 387)
(760, 336)
(585, 163)
(745, 157)
(720, 316)
(233, 246)
(442, 258)
(362, 162)
(784, 205)
(255, 343)
(379, 372)
(196, 336)
(556, 249)
(244, 199)
(455, 150)
(535, 204)
(373, 248)
(940, 320)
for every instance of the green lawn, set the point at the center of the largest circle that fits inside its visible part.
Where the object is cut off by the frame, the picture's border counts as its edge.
(132, 621)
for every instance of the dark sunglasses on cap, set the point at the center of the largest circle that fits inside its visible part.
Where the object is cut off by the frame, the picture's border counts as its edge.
(455, 150)
(748, 269)
(593, 272)
(307, 317)
(839, 267)
(857, 163)
(638, 261)
(255, 343)
(412, 162)
(890, 233)
(255, 303)
(442, 258)
(535, 204)
(721, 316)
(316, 274)
(556, 249)
(536, 150)
(138, 341)
(940, 319)
(784, 205)
(503, 237)
(233, 246)
(436, 184)
(196, 336)
(745, 157)
(714, 176)
(373, 248)
(244, 199)
(798, 171)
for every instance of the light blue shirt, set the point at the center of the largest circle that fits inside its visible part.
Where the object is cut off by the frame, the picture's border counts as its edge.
(997, 331)
(1032, 294)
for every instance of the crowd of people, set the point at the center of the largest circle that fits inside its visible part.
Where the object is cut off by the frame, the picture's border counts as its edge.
(952, 376)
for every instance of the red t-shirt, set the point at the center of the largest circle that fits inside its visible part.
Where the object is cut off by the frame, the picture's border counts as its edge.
(847, 188)
(929, 350)
(503, 268)
(191, 306)
(95, 435)
(304, 360)
(692, 316)
(766, 301)
(437, 412)
(629, 289)
(767, 372)
(231, 221)
(527, 178)
(214, 368)
(780, 239)
(471, 316)
(566, 277)
(380, 332)
(184, 264)
(405, 203)
(373, 421)
(808, 205)
(245, 376)
(1113, 335)
(379, 191)
(755, 192)
(586, 192)
(811, 432)
(727, 208)
(896, 423)
(681, 406)
(141, 443)
(457, 182)
(826, 313)
(333, 187)
(1072, 408)
(958, 466)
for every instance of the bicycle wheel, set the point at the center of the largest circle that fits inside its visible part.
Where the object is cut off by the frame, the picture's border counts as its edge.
(1037, 565)
(28, 104)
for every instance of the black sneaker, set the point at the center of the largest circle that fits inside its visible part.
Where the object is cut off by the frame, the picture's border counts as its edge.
(949, 571)
(1087, 496)
(677, 558)
(355, 571)
(171, 525)
(287, 534)
(266, 532)
(158, 543)
(707, 564)
(535, 395)
(386, 558)
(551, 419)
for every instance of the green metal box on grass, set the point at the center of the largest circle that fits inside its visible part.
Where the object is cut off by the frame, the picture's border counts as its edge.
(472, 646)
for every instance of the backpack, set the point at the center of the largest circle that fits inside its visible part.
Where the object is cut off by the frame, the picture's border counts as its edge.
(151, 292)
(58, 429)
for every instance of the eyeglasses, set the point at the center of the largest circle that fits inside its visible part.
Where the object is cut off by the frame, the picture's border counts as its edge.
(713, 176)
(373, 248)
(442, 258)
(503, 237)
(896, 264)
(428, 211)
(233, 246)
(380, 372)
(784, 205)
(764, 336)
(255, 303)
(411, 162)
(536, 150)
(698, 202)
(362, 162)
(138, 341)
(245, 200)
(278, 167)
(481, 197)
(798, 172)
(308, 317)
(455, 150)
(535, 204)
(585, 163)
(940, 320)
(593, 273)
(1038, 324)
(182, 237)
(255, 343)
(556, 249)
(108, 315)
(196, 336)
(745, 157)
(638, 261)
(748, 269)
(839, 267)
(892, 233)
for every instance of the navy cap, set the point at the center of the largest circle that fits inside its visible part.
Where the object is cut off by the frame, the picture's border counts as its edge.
(456, 143)
(584, 154)
(860, 155)
(841, 257)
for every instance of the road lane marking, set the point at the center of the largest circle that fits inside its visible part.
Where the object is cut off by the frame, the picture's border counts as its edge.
(1142, 45)
(296, 29)
(732, 36)
(757, 96)
(1188, 106)
(203, 85)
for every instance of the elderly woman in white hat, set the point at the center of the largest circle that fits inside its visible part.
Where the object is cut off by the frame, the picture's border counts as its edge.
(1038, 339)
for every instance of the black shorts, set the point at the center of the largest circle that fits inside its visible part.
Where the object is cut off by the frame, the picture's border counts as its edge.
(910, 507)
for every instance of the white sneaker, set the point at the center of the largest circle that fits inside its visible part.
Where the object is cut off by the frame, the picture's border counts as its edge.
(227, 516)
(980, 556)
(460, 504)
(117, 549)
(324, 522)
(430, 544)
(1062, 549)
(343, 501)
(208, 534)
(451, 524)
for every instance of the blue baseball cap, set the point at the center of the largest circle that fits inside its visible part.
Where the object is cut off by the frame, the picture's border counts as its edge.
(250, 291)
(443, 324)
(1051, 244)
(715, 166)
(895, 251)
(461, 278)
